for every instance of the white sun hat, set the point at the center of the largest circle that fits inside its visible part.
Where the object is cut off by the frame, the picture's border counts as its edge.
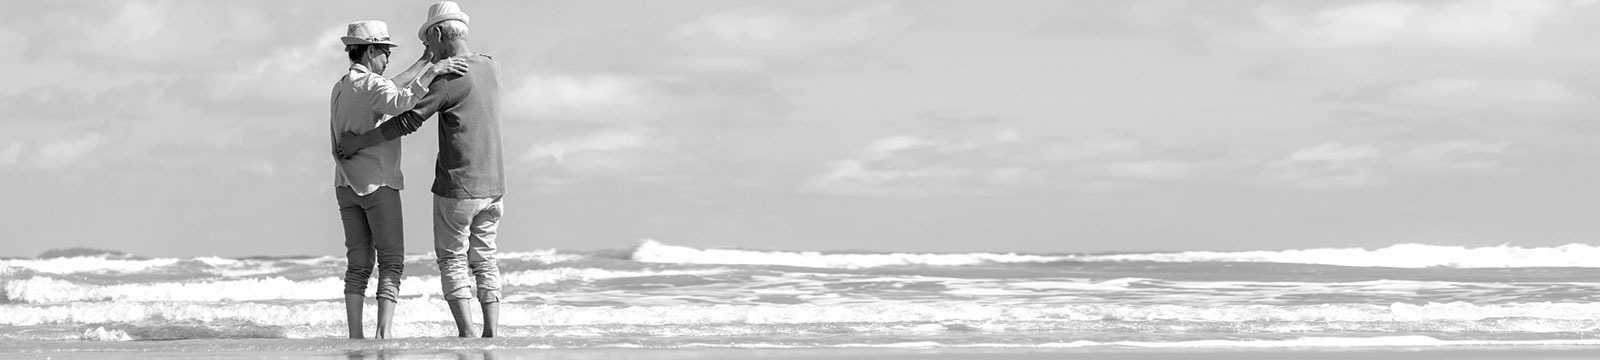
(367, 32)
(442, 11)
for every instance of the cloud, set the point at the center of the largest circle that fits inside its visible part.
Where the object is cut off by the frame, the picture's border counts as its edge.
(1459, 92)
(1461, 24)
(1094, 148)
(1006, 159)
(631, 153)
(1456, 156)
(774, 32)
(906, 165)
(1347, 166)
(601, 141)
(891, 166)
(1331, 165)
(566, 96)
(294, 76)
(59, 154)
(125, 102)
(161, 35)
(856, 177)
(757, 40)
(1150, 170)
(886, 147)
(262, 168)
(11, 154)
(1447, 55)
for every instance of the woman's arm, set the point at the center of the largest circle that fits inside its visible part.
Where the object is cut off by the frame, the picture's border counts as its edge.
(392, 98)
(426, 68)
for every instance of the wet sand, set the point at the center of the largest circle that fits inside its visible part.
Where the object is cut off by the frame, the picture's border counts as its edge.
(230, 350)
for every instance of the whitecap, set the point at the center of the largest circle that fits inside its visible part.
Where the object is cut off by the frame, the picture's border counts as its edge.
(655, 252)
(1399, 256)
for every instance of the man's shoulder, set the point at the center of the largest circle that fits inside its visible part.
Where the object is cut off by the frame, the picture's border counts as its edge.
(482, 59)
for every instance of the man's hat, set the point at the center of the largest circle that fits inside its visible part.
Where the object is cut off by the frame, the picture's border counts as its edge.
(441, 11)
(367, 32)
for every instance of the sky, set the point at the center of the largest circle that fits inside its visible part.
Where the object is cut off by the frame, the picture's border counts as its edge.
(199, 128)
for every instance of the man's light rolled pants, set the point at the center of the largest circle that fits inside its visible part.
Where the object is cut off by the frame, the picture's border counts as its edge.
(464, 239)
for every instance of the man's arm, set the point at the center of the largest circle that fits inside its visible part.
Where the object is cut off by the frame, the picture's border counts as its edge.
(400, 125)
(392, 100)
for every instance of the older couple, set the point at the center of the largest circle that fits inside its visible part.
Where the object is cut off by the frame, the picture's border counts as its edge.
(460, 86)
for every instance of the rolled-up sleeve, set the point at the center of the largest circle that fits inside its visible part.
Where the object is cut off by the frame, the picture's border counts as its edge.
(438, 97)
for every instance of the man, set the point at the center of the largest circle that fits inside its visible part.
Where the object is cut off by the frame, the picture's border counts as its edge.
(469, 176)
(367, 186)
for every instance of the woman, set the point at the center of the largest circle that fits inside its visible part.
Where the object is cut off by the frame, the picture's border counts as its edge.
(367, 185)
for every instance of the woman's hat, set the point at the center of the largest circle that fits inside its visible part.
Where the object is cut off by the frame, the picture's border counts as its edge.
(367, 32)
(441, 11)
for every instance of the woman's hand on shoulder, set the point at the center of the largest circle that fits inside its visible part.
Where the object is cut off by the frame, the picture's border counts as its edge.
(452, 65)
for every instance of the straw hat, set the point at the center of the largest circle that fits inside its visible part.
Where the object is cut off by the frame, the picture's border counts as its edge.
(441, 11)
(367, 32)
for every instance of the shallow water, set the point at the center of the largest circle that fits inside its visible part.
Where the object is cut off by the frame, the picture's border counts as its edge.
(660, 296)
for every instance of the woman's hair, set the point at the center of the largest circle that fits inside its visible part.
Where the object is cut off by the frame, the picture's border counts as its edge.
(449, 30)
(356, 51)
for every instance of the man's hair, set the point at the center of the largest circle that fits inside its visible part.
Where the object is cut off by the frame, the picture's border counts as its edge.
(356, 51)
(449, 30)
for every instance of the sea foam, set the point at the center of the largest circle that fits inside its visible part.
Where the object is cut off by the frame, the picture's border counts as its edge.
(44, 289)
(1554, 317)
(1399, 256)
(657, 252)
(85, 264)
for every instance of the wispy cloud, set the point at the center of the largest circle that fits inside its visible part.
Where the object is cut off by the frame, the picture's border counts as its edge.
(547, 96)
(891, 166)
(62, 103)
(756, 40)
(604, 140)
(1457, 156)
(296, 76)
(1331, 165)
(11, 154)
(264, 169)
(1468, 23)
(1151, 170)
(908, 165)
(59, 154)
(1428, 52)
(775, 32)
(143, 34)
(1348, 166)
(1469, 92)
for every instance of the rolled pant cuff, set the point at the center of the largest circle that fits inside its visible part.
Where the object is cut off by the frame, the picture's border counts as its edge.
(458, 294)
(488, 296)
(387, 296)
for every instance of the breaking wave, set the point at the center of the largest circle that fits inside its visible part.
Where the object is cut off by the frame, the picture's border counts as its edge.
(422, 317)
(41, 289)
(656, 252)
(1398, 256)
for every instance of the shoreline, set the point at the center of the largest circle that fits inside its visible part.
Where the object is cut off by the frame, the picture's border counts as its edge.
(497, 349)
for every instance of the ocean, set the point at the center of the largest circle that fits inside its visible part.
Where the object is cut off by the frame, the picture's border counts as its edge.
(664, 296)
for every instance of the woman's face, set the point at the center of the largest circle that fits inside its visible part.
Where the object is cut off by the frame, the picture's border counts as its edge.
(380, 58)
